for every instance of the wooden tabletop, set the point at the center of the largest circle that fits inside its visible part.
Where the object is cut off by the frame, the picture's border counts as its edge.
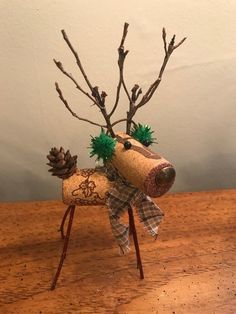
(191, 268)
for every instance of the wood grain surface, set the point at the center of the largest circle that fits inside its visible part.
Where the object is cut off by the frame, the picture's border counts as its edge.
(191, 268)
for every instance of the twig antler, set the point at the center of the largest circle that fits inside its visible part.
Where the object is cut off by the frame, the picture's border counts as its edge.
(122, 55)
(71, 111)
(98, 98)
(136, 91)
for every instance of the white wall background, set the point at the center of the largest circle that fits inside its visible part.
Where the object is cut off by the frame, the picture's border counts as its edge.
(193, 111)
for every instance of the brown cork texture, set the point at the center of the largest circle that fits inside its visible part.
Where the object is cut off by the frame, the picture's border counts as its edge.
(86, 187)
(139, 165)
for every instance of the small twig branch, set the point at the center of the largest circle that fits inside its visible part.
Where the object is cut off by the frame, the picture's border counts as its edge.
(71, 111)
(125, 32)
(168, 51)
(125, 88)
(122, 120)
(103, 97)
(122, 55)
(61, 68)
(180, 43)
(136, 91)
(151, 90)
(99, 98)
(164, 39)
(94, 90)
(77, 59)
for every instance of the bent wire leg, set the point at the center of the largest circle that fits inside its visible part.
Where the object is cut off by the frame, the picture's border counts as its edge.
(61, 229)
(71, 210)
(134, 233)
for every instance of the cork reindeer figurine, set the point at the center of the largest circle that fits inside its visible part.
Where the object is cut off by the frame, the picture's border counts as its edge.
(131, 173)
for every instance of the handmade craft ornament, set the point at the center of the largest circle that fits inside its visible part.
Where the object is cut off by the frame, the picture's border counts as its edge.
(131, 173)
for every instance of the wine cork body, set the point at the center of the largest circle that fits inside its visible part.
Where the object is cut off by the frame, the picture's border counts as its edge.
(139, 165)
(86, 187)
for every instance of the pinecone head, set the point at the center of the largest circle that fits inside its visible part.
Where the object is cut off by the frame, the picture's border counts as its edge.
(62, 163)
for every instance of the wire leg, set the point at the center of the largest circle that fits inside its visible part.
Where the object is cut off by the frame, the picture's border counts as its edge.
(71, 210)
(130, 229)
(61, 229)
(134, 233)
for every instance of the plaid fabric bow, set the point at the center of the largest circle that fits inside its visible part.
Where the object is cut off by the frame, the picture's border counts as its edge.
(119, 198)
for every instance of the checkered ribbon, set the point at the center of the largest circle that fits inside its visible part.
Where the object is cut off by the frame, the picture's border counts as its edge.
(119, 199)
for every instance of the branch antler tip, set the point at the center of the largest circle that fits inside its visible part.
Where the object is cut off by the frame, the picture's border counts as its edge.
(64, 34)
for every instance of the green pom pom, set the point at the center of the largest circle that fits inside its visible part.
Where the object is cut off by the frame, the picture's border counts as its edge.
(143, 134)
(103, 146)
